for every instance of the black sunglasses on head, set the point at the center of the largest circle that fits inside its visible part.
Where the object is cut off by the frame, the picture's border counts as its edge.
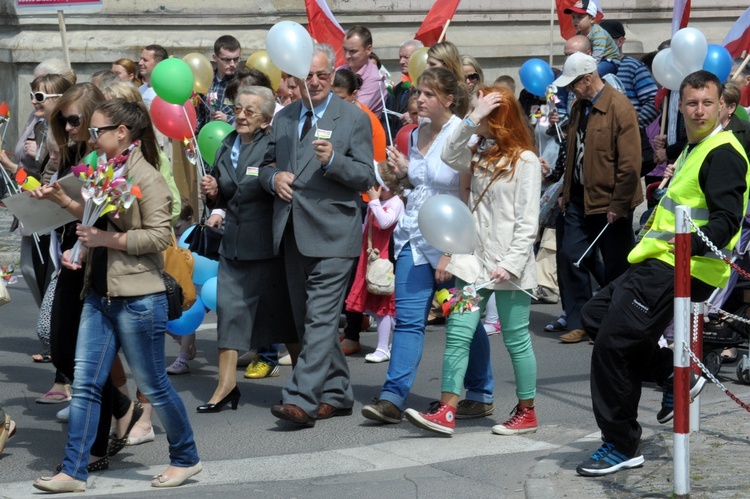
(73, 120)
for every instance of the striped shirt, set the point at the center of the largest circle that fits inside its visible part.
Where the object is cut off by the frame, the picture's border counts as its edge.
(640, 88)
(603, 47)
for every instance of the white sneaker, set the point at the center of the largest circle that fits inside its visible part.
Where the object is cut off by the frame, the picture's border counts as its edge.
(63, 415)
(286, 360)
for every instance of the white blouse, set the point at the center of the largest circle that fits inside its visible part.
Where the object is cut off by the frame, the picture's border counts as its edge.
(430, 176)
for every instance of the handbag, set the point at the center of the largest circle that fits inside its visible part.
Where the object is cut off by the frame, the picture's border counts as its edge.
(178, 263)
(379, 274)
(174, 297)
(205, 240)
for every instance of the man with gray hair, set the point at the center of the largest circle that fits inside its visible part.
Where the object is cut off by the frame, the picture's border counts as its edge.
(400, 100)
(320, 161)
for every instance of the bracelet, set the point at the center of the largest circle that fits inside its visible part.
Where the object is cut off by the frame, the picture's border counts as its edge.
(448, 254)
(69, 203)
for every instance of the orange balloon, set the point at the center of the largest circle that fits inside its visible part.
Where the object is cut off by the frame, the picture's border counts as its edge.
(261, 61)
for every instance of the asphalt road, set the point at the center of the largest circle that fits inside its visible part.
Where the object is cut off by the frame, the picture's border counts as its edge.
(248, 452)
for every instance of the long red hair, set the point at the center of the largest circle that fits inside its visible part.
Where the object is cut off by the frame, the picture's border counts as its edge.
(509, 127)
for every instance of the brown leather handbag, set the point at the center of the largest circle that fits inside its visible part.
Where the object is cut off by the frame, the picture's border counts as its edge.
(178, 263)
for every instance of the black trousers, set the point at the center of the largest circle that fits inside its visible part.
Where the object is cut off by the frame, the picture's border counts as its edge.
(627, 318)
(579, 231)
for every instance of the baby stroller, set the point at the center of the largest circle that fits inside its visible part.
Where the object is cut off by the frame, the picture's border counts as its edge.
(720, 333)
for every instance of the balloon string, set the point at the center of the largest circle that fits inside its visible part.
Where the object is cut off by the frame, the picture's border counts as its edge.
(491, 268)
(201, 166)
(312, 108)
(204, 102)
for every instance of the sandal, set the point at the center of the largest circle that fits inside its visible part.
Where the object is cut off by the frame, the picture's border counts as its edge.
(41, 358)
(556, 325)
(54, 397)
(117, 444)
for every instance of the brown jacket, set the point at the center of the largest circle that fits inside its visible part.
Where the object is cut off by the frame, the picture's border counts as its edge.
(612, 157)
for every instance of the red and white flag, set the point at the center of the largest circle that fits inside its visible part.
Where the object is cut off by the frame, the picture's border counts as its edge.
(324, 28)
(680, 15)
(440, 13)
(738, 38)
(567, 30)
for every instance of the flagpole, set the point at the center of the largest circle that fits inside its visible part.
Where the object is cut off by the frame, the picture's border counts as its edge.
(551, 29)
(442, 35)
(742, 66)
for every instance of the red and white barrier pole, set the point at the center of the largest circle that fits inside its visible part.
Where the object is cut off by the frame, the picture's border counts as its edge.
(681, 358)
(696, 345)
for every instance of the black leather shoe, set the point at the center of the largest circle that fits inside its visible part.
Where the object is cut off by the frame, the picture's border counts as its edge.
(233, 397)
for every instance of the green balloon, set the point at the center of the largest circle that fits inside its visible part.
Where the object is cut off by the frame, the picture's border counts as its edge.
(172, 80)
(210, 138)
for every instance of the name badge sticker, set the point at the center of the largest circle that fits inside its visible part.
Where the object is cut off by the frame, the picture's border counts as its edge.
(323, 134)
(252, 170)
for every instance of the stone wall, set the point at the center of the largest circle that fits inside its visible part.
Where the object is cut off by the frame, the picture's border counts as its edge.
(502, 34)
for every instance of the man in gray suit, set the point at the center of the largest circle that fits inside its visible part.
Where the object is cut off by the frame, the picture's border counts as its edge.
(322, 159)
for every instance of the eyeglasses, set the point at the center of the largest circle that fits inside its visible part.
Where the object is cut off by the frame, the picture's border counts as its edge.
(94, 131)
(229, 60)
(247, 111)
(40, 97)
(472, 77)
(73, 120)
(322, 76)
(575, 82)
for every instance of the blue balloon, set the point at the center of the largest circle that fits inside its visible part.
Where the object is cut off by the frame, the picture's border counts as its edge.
(182, 243)
(204, 269)
(536, 76)
(190, 320)
(718, 61)
(208, 293)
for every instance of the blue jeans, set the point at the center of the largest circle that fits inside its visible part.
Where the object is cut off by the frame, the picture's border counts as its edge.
(269, 354)
(138, 326)
(415, 287)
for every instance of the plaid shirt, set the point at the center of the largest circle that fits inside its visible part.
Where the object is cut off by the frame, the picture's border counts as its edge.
(215, 101)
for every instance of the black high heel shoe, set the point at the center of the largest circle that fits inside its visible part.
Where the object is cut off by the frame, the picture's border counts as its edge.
(233, 397)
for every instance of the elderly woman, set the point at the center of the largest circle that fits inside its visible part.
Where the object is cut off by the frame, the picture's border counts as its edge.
(253, 305)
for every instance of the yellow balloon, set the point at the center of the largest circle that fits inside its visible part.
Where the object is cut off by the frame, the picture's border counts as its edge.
(203, 72)
(262, 62)
(417, 64)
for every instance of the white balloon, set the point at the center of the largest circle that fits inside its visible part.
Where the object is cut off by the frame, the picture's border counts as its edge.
(448, 225)
(665, 70)
(689, 48)
(291, 48)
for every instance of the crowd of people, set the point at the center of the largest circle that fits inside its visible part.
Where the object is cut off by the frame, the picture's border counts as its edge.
(307, 188)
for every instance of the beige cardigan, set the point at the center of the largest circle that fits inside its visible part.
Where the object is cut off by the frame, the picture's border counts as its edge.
(506, 218)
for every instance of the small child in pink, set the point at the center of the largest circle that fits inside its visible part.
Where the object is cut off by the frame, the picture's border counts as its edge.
(383, 211)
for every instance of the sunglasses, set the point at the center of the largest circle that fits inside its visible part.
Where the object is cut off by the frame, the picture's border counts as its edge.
(95, 131)
(40, 97)
(472, 77)
(73, 120)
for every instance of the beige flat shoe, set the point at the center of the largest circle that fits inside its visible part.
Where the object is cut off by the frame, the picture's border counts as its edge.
(177, 480)
(49, 485)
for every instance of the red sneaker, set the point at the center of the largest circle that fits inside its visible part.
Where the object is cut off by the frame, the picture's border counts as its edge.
(440, 418)
(522, 420)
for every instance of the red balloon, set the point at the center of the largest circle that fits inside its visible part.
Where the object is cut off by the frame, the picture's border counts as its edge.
(173, 120)
(402, 139)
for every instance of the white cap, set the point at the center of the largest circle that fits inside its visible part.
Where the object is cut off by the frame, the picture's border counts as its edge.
(577, 65)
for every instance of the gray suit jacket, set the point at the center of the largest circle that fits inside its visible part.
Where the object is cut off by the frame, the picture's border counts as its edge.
(325, 203)
(247, 228)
